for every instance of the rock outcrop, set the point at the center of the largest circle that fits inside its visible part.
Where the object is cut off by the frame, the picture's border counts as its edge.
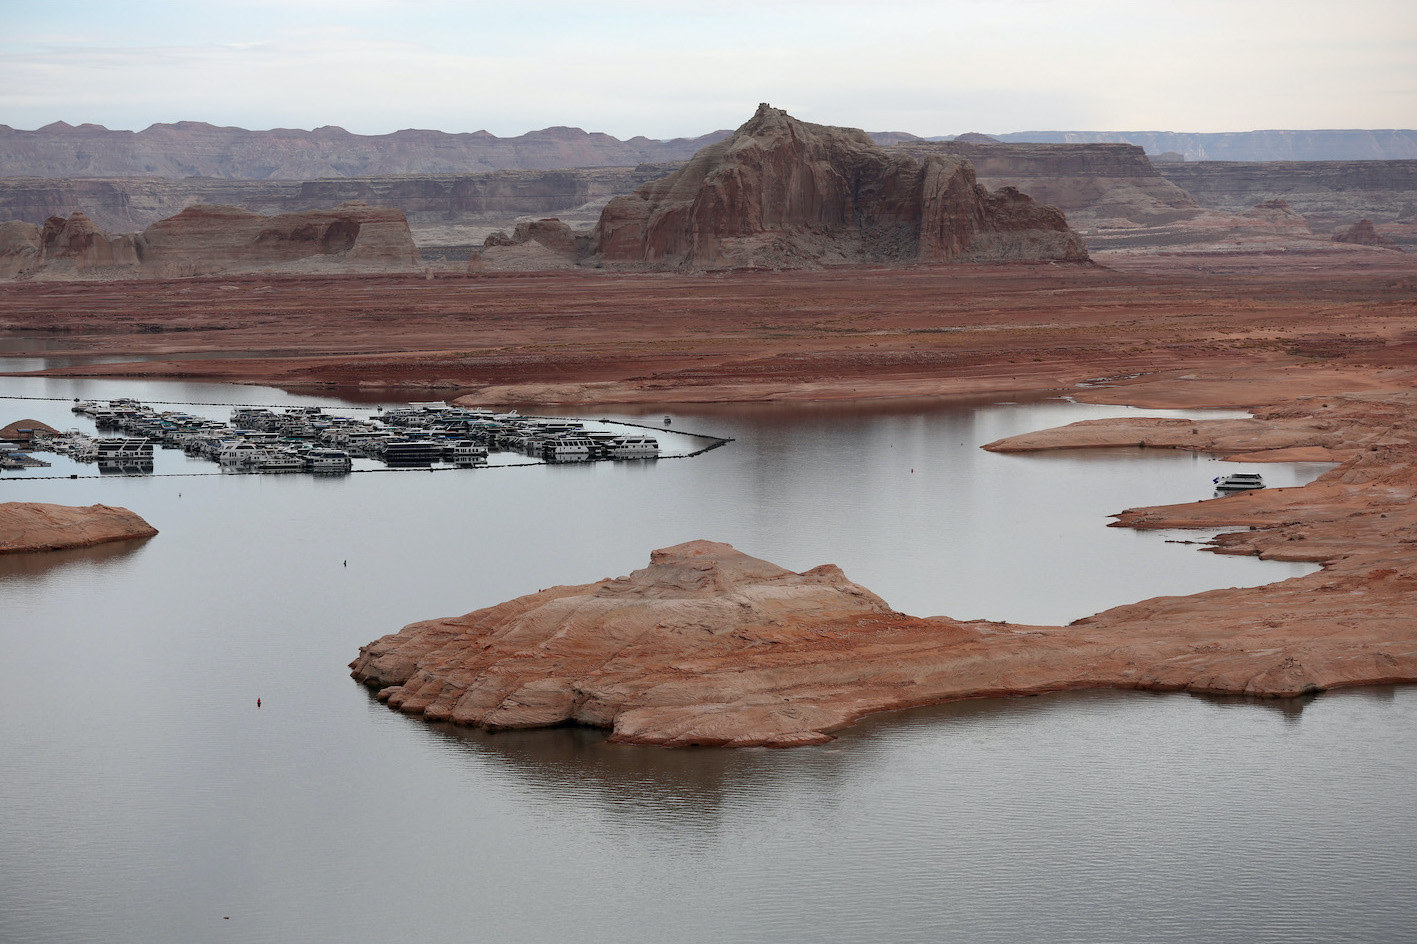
(709, 646)
(785, 193)
(533, 244)
(1363, 233)
(19, 248)
(209, 240)
(72, 246)
(35, 526)
(1278, 217)
(204, 240)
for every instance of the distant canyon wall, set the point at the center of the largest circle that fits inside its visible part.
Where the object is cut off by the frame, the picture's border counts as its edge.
(197, 149)
(1327, 145)
(129, 204)
(1111, 193)
(1330, 194)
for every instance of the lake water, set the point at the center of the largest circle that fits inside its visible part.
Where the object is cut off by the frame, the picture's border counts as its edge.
(144, 797)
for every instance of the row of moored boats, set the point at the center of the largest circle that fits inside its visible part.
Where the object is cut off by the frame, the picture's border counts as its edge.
(306, 439)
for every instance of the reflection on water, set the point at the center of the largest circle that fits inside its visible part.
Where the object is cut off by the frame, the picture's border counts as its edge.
(144, 796)
(22, 566)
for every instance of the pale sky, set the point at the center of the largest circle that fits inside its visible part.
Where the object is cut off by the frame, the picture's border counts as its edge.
(664, 69)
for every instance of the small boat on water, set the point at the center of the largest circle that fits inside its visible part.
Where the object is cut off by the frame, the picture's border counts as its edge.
(1238, 482)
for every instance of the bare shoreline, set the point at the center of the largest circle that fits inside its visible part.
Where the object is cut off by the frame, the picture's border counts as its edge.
(1323, 356)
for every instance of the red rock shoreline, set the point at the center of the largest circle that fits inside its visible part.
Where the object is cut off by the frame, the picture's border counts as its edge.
(27, 527)
(707, 646)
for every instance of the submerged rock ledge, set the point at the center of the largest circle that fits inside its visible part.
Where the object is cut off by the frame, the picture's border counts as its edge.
(36, 526)
(708, 646)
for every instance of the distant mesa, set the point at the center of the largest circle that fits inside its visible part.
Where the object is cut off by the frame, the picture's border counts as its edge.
(1363, 233)
(204, 240)
(211, 240)
(1276, 216)
(974, 137)
(784, 193)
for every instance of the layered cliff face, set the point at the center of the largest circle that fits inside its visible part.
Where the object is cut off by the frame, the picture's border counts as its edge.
(785, 193)
(203, 240)
(1091, 183)
(72, 246)
(197, 149)
(209, 240)
(1331, 195)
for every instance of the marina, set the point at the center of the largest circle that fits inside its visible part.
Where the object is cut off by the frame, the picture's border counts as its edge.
(317, 440)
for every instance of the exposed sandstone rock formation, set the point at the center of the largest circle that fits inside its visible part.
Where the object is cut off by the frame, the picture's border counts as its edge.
(1277, 216)
(534, 244)
(1362, 233)
(77, 241)
(551, 233)
(64, 246)
(35, 526)
(709, 646)
(785, 193)
(203, 240)
(19, 248)
(207, 240)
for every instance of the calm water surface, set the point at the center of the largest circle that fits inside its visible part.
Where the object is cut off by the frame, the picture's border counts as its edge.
(144, 798)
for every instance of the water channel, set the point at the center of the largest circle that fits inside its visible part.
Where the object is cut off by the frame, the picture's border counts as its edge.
(144, 797)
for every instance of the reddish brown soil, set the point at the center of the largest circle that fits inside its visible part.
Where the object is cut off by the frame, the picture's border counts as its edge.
(1287, 322)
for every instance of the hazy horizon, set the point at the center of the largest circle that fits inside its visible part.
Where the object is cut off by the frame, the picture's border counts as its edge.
(627, 68)
(1100, 131)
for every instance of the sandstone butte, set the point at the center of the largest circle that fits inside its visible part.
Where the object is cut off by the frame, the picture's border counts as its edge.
(708, 646)
(784, 193)
(37, 526)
